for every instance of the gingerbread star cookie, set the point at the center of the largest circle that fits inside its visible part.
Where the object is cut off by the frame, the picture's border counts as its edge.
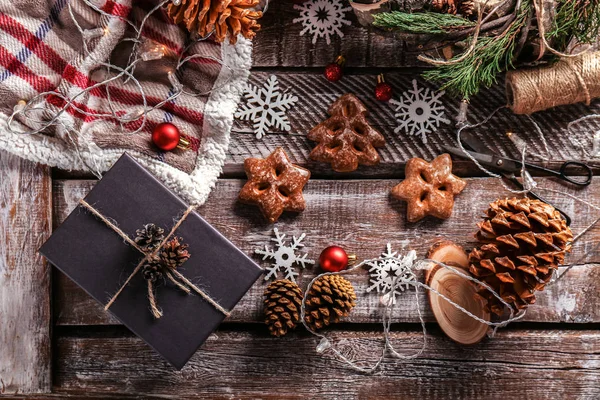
(274, 185)
(429, 188)
(346, 139)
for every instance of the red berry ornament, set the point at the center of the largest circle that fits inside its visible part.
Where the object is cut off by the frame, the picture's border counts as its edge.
(167, 137)
(334, 71)
(383, 90)
(334, 259)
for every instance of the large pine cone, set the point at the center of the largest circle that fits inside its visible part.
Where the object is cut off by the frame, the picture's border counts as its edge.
(236, 17)
(149, 237)
(525, 241)
(173, 253)
(330, 298)
(283, 301)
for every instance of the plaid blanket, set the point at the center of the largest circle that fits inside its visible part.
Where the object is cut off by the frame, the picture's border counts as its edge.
(41, 50)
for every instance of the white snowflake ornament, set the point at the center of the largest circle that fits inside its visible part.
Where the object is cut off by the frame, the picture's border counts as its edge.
(419, 111)
(390, 273)
(284, 256)
(266, 107)
(322, 18)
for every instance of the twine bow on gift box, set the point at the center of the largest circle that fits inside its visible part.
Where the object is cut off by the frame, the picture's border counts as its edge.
(162, 255)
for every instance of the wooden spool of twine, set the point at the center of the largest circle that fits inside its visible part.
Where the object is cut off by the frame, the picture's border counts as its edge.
(456, 324)
(568, 81)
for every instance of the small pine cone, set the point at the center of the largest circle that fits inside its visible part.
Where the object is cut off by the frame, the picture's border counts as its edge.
(173, 253)
(283, 301)
(330, 298)
(149, 237)
(152, 271)
(233, 17)
(467, 8)
(444, 6)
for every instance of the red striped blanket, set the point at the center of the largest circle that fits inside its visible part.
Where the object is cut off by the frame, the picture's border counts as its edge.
(41, 50)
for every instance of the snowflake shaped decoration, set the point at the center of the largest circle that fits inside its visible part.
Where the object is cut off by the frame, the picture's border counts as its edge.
(284, 256)
(266, 107)
(390, 274)
(420, 111)
(322, 18)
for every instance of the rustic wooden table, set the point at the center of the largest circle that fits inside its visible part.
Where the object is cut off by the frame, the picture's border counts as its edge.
(55, 341)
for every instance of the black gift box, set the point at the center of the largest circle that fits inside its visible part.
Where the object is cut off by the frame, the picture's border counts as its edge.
(100, 261)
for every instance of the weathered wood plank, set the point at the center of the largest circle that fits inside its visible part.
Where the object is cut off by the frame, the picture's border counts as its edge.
(315, 95)
(279, 43)
(25, 223)
(546, 364)
(336, 214)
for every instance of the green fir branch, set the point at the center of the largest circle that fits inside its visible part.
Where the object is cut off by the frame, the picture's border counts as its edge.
(575, 19)
(421, 22)
(491, 56)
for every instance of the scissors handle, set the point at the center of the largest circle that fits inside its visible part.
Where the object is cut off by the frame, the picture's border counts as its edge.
(588, 173)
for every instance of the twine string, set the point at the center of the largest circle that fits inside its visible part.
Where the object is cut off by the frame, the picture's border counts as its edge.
(173, 275)
(536, 89)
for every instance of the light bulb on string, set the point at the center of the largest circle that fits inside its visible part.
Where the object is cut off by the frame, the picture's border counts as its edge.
(150, 50)
(177, 86)
(20, 106)
(90, 34)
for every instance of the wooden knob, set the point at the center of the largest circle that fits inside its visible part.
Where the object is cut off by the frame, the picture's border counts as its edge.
(456, 324)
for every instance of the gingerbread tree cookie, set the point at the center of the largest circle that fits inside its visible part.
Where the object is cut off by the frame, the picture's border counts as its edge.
(274, 184)
(429, 188)
(346, 139)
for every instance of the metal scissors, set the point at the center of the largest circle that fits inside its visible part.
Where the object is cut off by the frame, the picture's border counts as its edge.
(509, 167)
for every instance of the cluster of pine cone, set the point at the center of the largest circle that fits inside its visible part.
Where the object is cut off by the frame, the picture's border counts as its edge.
(463, 7)
(171, 256)
(330, 298)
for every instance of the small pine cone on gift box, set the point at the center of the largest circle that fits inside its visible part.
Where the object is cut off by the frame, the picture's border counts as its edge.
(174, 253)
(149, 237)
(152, 270)
(330, 298)
(283, 302)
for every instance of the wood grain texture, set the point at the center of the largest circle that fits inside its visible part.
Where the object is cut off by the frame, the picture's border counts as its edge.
(25, 223)
(315, 95)
(336, 214)
(279, 43)
(547, 364)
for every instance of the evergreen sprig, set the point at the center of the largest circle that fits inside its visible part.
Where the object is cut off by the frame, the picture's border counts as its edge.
(421, 22)
(491, 56)
(579, 19)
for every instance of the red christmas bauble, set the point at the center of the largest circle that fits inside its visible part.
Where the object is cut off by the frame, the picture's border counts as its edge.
(333, 259)
(333, 72)
(166, 136)
(383, 91)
